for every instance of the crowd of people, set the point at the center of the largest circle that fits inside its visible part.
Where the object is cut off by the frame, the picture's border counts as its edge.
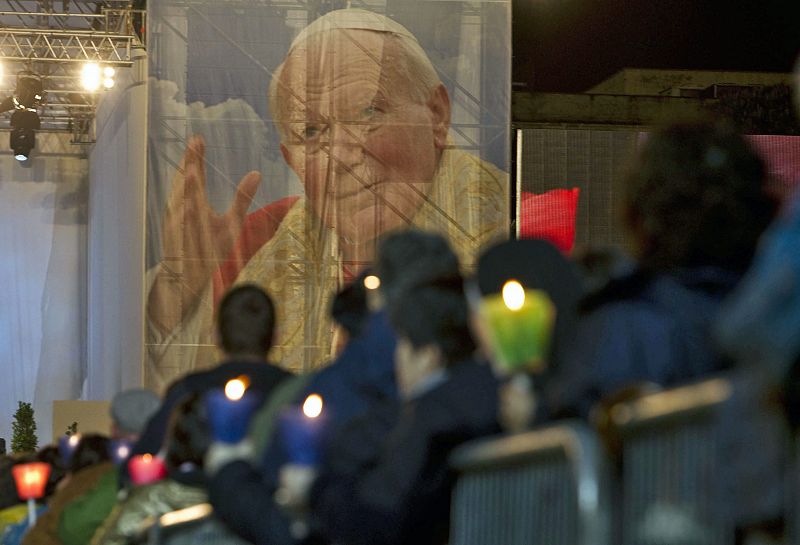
(430, 362)
(443, 339)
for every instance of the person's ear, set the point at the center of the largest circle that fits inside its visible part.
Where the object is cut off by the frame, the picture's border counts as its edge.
(439, 105)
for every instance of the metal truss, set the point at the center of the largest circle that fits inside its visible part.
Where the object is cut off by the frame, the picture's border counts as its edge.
(55, 44)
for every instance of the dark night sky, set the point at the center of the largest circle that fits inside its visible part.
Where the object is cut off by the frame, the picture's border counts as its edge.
(570, 45)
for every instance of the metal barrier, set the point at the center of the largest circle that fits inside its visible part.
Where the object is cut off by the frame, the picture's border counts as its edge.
(545, 486)
(195, 525)
(671, 466)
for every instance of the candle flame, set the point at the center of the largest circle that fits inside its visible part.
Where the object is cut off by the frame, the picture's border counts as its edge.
(147, 458)
(372, 282)
(513, 295)
(123, 451)
(74, 439)
(234, 389)
(312, 407)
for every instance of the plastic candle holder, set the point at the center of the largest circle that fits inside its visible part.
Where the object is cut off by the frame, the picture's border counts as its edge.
(302, 430)
(229, 410)
(31, 479)
(519, 324)
(66, 447)
(119, 450)
(146, 469)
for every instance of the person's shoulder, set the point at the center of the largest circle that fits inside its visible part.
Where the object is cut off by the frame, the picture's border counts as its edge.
(468, 395)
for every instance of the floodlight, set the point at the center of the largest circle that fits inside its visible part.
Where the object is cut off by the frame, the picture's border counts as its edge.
(109, 71)
(90, 76)
(108, 83)
(24, 124)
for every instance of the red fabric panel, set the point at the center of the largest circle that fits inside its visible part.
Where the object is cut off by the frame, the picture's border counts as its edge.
(782, 156)
(258, 229)
(550, 216)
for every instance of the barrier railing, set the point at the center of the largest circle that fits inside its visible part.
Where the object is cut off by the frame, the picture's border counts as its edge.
(670, 466)
(545, 486)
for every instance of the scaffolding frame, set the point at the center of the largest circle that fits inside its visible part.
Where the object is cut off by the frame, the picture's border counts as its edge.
(54, 44)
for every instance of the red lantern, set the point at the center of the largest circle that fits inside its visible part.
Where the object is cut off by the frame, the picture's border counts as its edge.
(31, 479)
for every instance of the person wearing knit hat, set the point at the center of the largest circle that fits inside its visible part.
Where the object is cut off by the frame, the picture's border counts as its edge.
(81, 505)
(130, 411)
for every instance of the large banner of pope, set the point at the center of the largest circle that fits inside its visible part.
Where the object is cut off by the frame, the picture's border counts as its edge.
(285, 138)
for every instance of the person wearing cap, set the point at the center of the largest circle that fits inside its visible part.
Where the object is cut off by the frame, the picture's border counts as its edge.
(364, 123)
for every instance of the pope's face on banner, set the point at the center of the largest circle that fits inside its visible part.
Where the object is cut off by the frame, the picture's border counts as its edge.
(364, 138)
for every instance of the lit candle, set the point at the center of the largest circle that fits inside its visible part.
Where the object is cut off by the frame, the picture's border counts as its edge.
(119, 450)
(66, 447)
(372, 282)
(519, 324)
(302, 430)
(146, 469)
(229, 410)
(31, 480)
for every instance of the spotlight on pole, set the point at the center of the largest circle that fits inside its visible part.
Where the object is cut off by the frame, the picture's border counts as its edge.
(91, 76)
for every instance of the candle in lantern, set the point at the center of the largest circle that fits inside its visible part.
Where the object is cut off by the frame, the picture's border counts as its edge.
(31, 480)
(229, 410)
(146, 469)
(302, 430)
(372, 282)
(66, 447)
(519, 324)
(119, 450)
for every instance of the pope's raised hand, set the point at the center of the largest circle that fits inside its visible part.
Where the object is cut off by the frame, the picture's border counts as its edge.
(195, 238)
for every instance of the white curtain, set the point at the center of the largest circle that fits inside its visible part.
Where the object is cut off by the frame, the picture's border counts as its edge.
(42, 279)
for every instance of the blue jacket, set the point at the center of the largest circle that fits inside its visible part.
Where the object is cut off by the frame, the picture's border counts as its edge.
(641, 328)
(361, 375)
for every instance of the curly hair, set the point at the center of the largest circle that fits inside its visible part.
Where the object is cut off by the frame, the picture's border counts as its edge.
(696, 196)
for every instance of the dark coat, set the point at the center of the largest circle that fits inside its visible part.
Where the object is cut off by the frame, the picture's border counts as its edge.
(263, 378)
(360, 377)
(640, 328)
(386, 480)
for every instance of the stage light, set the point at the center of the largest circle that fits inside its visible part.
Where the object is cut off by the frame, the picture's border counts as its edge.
(108, 83)
(90, 76)
(24, 124)
(29, 92)
(109, 72)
